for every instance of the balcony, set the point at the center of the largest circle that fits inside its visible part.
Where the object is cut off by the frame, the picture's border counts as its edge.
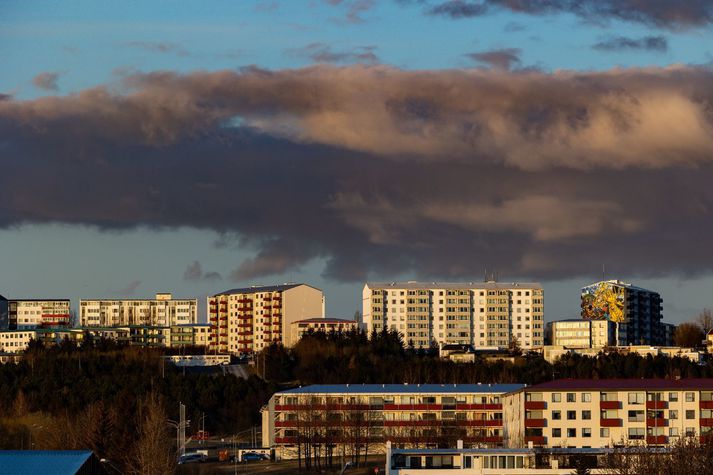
(656, 439)
(658, 422)
(706, 422)
(656, 405)
(535, 405)
(706, 404)
(610, 405)
(535, 439)
(610, 422)
(493, 439)
(534, 423)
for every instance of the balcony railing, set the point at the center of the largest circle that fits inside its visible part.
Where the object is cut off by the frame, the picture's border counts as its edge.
(656, 439)
(706, 404)
(610, 422)
(535, 405)
(656, 422)
(656, 405)
(535, 439)
(610, 405)
(534, 423)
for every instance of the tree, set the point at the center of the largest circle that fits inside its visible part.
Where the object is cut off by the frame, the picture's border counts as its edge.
(152, 453)
(705, 320)
(688, 335)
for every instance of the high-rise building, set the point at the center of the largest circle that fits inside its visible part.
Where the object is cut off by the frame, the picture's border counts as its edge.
(635, 311)
(482, 314)
(580, 333)
(163, 311)
(249, 319)
(326, 325)
(32, 313)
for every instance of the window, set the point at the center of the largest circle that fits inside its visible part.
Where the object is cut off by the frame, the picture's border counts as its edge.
(673, 432)
(587, 432)
(556, 397)
(604, 432)
(586, 397)
(673, 414)
(690, 414)
(690, 432)
(571, 433)
(636, 433)
(586, 415)
(571, 415)
(636, 416)
(636, 398)
(556, 415)
(690, 397)
(571, 397)
(556, 432)
(673, 397)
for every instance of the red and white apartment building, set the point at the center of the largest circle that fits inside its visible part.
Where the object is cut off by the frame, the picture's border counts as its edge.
(246, 320)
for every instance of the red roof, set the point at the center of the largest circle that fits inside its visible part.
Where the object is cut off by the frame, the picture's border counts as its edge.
(624, 384)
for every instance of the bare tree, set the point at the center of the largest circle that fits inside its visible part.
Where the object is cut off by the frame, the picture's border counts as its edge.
(705, 320)
(152, 453)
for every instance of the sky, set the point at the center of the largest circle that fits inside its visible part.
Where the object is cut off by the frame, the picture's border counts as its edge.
(194, 147)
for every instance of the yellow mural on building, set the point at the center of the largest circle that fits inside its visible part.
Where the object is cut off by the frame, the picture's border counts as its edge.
(603, 302)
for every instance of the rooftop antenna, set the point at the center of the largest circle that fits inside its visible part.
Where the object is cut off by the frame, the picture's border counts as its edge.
(485, 274)
(603, 278)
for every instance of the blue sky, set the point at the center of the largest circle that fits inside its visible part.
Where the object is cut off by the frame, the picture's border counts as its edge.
(84, 44)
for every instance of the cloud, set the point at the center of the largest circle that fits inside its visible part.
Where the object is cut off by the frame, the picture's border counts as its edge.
(355, 9)
(130, 288)
(376, 171)
(46, 81)
(620, 43)
(159, 47)
(323, 53)
(194, 273)
(500, 58)
(669, 14)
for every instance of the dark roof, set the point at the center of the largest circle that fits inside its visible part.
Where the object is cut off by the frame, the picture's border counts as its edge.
(624, 384)
(262, 288)
(404, 388)
(324, 320)
(38, 300)
(534, 450)
(57, 462)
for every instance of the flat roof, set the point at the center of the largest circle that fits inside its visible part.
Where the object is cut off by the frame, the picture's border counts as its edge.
(262, 288)
(43, 461)
(403, 388)
(619, 283)
(624, 384)
(324, 320)
(412, 284)
(534, 450)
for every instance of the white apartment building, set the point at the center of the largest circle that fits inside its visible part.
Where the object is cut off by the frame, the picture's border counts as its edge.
(580, 333)
(608, 412)
(482, 314)
(32, 313)
(246, 320)
(15, 341)
(164, 310)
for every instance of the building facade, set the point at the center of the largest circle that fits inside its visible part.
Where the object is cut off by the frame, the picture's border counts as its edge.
(327, 325)
(163, 310)
(34, 313)
(609, 412)
(636, 312)
(16, 341)
(191, 334)
(246, 320)
(580, 333)
(367, 415)
(482, 314)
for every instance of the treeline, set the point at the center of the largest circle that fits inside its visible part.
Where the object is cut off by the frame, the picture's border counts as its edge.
(356, 357)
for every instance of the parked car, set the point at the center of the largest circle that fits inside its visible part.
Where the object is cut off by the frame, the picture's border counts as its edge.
(191, 458)
(253, 457)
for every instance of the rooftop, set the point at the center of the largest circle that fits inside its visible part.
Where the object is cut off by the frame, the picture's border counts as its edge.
(324, 320)
(403, 388)
(261, 288)
(619, 283)
(490, 285)
(43, 461)
(625, 384)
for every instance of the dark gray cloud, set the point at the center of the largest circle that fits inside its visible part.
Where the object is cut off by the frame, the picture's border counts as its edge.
(194, 273)
(670, 14)
(620, 43)
(46, 81)
(504, 58)
(162, 47)
(323, 53)
(378, 171)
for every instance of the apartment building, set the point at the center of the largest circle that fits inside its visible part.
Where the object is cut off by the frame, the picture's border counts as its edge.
(23, 314)
(482, 314)
(191, 334)
(370, 414)
(246, 320)
(581, 333)
(327, 325)
(608, 412)
(15, 341)
(635, 311)
(163, 310)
